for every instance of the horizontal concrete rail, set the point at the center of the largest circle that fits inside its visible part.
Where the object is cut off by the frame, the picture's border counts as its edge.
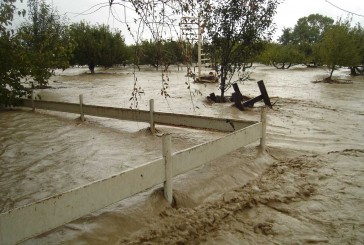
(20, 224)
(52, 105)
(180, 120)
(220, 124)
(25, 222)
(193, 157)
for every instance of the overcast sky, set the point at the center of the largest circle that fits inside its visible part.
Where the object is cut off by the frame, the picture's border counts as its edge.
(287, 14)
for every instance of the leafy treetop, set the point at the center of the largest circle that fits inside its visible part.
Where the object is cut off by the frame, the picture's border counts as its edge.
(97, 45)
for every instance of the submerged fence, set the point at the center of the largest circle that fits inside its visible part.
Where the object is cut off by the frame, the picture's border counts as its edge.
(25, 222)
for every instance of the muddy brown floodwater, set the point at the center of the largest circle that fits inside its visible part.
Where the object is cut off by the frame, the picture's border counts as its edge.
(307, 188)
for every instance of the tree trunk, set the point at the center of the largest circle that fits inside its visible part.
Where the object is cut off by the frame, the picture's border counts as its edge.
(91, 66)
(353, 71)
(245, 66)
(222, 88)
(275, 65)
(332, 71)
(157, 66)
(281, 66)
(222, 95)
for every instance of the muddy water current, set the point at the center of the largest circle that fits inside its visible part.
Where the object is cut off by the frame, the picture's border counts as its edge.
(45, 153)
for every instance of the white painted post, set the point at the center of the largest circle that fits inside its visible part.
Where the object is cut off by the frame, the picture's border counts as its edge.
(167, 154)
(151, 114)
(81, 109)
(263, 119)
(33, 96)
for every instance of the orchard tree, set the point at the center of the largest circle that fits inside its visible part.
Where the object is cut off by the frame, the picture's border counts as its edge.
(339, 47)
(46, 41)
(286, 37)
(159, 19)
(134, 52)
(234, 28)
(97, 46)
(13, 62)
(173, 52)
(310, 29)
(163, 52)
(281, 56)
(151, 53)
(306, 34)
(358, 37)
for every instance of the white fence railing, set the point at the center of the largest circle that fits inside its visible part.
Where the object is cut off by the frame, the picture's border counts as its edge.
(179, 120)
(22, 223)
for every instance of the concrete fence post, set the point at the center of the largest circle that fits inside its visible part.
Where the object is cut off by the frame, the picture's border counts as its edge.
(81, 109)
(33, 97)
(167, 155)
(263, 119)
(151, 114)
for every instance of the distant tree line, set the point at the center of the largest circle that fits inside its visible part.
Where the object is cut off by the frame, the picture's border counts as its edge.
(30, 53)
(316, 40)
(236, 37)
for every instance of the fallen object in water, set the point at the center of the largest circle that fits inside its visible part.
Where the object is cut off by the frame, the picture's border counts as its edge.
(208, 78)
(238, 98)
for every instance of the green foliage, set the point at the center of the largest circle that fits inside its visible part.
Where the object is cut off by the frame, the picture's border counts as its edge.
(310, 29)
(46, 41)
(151, 53)
(13, 62)
(358, 38)
(163, 52)
(286, 37)
(235, 30)
(173, 52)
(281, 56)
(306, 34)
(33, 51)
(97, 46)
(339, 47)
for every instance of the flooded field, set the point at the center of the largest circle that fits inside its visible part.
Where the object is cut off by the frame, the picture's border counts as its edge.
(307, 187)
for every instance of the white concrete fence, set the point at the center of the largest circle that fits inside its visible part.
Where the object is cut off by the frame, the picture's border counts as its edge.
(28, 221)
(179, 120)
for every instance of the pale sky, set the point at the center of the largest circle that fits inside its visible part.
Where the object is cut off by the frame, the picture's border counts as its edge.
(287, 14)
(291, 10)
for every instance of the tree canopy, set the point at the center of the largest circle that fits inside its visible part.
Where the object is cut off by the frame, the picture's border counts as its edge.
(33, 51)
(235, 29)
(306, 34)
(310, 29)
(316, 39)
(281, 56)
(13, 66)
(46, 41)
(97, 46)
(157, 53)
(358, 37)
(339, 47)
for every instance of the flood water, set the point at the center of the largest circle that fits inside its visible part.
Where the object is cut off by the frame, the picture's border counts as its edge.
(45, 153)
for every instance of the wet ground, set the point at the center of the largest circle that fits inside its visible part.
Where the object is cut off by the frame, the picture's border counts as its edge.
(315, 139)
